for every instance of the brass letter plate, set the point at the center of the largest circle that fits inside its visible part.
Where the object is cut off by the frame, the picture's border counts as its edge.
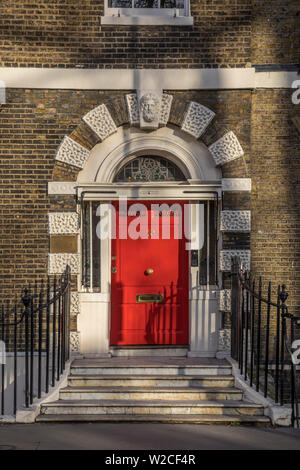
(149, 298)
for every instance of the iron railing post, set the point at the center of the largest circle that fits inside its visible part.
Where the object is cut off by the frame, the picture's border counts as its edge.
(241, 331)
(54, 331)
(15, 359)
(63, 346)
(3, 365)
(283, 295)
(47, 334)
(247, 280)
(26, 299)
(235, 307)
(258, 346)
(252, 332)
(292, 375)
(68, 274)
(40, 319)
(267, 341)
(59, 329)
(277, 347)
(32, 339)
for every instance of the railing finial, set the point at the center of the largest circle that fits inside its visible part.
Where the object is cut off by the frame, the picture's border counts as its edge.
(283, 295)
(26, 298)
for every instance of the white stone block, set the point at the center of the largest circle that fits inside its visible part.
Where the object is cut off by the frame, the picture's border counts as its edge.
(224, 343)
(225, 300)
(280, 415)
(72, 153)
(100, 121)
(236, 184)
(226, 255)
(133, 108)
(226, 149)
(57, 262)
(74, 342)
(236, 221)
(75, 305)
(165, 109)
(63, 223)
(61, 187)
(196, 119)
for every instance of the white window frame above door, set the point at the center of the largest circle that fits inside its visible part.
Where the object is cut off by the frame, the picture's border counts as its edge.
(147, 16)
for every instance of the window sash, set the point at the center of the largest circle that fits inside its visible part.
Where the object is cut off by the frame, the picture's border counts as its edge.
(145, 11)
(155, 11)
(90, 248)
(208, 254)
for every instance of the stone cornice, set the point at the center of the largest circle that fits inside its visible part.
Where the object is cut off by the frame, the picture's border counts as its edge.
(162, 79)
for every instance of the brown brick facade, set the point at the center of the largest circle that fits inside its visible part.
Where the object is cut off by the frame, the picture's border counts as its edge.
(275, 32)
(69, 34)
(225, 34)
(33, 123)
(275, 197)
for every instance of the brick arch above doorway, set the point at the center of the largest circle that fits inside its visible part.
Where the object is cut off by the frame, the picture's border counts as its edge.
(193, 118)
(169, 142)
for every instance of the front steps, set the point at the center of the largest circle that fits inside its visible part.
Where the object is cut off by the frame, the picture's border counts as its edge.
(169, 390)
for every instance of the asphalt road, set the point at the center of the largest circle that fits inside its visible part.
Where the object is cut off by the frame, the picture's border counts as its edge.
(106, 436)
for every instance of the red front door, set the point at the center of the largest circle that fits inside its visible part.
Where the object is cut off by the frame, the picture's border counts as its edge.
(149, 280)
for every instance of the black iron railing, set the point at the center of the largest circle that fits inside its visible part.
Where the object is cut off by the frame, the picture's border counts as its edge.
(262, 337)
(35, 335)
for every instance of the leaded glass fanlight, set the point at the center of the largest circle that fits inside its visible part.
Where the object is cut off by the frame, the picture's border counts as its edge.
(149, 168)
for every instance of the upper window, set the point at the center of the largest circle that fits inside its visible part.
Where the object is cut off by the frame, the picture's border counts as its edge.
(150, 6)
(147, 12)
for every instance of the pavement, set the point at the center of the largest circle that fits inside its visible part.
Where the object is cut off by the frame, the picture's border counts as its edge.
(124, 436)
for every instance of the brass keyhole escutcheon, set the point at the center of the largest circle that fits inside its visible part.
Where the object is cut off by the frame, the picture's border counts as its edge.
(149, 271)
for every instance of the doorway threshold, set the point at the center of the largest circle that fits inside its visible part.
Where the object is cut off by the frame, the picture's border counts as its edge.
(146, 351)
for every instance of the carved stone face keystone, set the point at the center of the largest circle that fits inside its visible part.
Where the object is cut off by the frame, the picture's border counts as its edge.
(149, 107)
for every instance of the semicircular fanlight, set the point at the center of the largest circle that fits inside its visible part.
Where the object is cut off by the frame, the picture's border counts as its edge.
(149, 168)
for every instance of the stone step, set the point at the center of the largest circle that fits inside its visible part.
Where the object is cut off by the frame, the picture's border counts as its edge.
(144, 352)
(151, 381)
(166, 370)
(164, 407)
(143, 393)
(172, 419)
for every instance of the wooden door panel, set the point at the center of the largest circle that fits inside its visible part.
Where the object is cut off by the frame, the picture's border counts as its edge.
(165, 323)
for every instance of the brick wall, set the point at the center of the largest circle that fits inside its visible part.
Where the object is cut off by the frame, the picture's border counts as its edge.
(33, 123)
(225, 34)
(275, 197)
(275, 32)
(68, 34)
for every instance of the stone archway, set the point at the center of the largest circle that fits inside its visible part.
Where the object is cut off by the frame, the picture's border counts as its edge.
(190, 155)
(196, 118)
